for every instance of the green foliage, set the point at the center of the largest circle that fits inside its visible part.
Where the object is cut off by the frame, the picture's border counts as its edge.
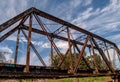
(98, 60)
(85, 79)
(56, 60)
(90, 59)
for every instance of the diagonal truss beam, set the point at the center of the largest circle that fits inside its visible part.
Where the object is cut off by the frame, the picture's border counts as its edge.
(63, 60)
(59, 30)
(9, 33)
(103, 56)
(80, 55)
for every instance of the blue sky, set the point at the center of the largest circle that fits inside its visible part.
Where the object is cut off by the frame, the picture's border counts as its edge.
(101, 17)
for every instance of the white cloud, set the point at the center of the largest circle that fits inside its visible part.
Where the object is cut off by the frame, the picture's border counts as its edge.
(22, 59)
(101, 21)
(87, 2)
(45, 45)
(83, 16)
(34, 60)
(23, 39)
(12, 38)
(87, 14)
(11, 12)
(6, 49)
(75, 3)
(10, 8)
(7, 52)
(47, 60)
(115, 37)
(62, 44)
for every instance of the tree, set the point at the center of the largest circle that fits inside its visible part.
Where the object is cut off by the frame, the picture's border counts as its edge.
(91, 60)
(56, 61)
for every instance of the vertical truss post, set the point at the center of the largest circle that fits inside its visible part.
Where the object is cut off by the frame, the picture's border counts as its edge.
(51, 51)
(103, 56)
(28, 45)
(17, 45)
(70, 52)
(80, 55)
(94, 58)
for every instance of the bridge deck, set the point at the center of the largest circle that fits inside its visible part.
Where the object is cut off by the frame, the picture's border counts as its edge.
(17, 71)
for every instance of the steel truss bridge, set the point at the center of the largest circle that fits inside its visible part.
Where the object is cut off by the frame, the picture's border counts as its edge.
(33, 22)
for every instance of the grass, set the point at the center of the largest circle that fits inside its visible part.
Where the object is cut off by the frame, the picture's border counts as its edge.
(84, 79)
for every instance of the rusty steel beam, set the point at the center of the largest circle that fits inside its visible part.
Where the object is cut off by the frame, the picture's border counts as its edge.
(59, 30)
(9, 33)
(50, 75)
(34, 49)
(59, 65)
(56, 36)
(15, 19)
(53, 35)
(70, 52)
(60, 21)
(94, 58)
(51, 55)
(33, 11)
(49, 38)
(28, 44)
(103, 56)
(13, 30)
(80, 55)
(17, 45)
